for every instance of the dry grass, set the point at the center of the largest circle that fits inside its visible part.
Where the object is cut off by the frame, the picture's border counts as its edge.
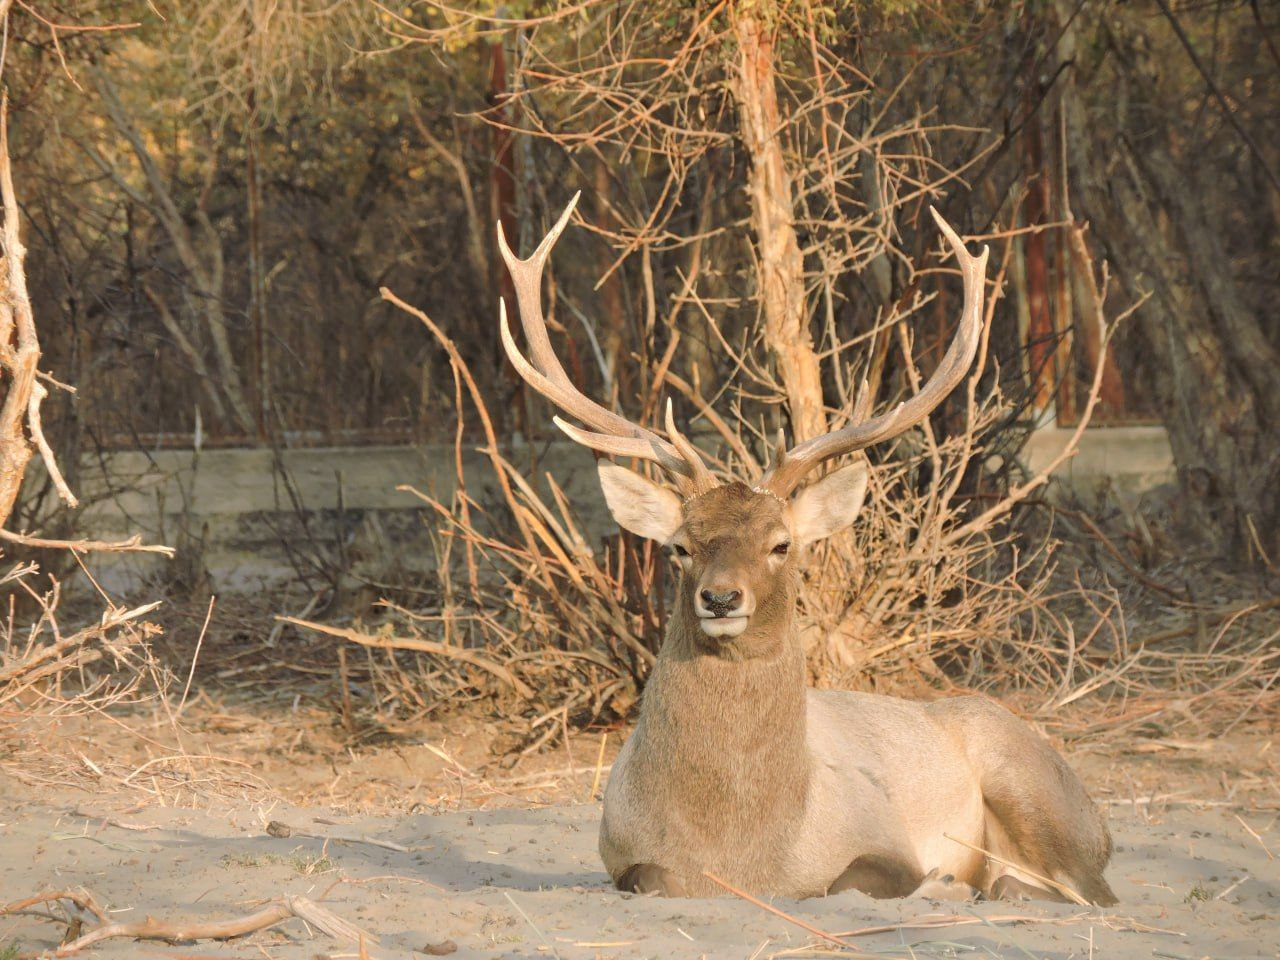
(933, 576)
(95, 708)
(526, 605)
(950, 580)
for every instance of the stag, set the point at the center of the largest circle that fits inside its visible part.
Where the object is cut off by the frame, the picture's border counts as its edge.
(736, 770)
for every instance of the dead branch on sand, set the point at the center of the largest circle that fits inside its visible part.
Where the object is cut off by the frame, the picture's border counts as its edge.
(32, 662)
(278, 828)
(274, 912)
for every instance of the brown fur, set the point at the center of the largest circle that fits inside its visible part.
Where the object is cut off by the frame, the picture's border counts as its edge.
(736, 768)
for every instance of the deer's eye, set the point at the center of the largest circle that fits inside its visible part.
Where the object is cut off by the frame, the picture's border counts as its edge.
(679, 550)
(781, 549)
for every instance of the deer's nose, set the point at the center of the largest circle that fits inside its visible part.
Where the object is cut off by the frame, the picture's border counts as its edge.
(720, 602)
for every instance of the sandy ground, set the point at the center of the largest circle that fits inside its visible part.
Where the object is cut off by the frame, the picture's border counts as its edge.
(1193, 882)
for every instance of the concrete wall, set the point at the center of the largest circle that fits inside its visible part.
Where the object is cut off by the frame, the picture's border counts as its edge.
(1129, 459)
(239, 509)
(230, 511)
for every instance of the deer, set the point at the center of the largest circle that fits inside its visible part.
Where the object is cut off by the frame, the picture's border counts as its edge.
(737, 773)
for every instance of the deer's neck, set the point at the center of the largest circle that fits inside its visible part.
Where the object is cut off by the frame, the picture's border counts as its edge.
(724, 735)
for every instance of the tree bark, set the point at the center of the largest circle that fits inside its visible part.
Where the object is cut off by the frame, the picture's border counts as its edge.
(1212, 366)
(613, 319)
(21, 433)
(780, 264)
(1042, 340)
(502, 209)
(257, 266)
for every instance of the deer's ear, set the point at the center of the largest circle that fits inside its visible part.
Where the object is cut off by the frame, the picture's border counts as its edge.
(830, 504)
(639, 505)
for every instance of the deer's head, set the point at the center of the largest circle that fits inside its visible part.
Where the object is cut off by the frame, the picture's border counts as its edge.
(736, 545)
(735, 542)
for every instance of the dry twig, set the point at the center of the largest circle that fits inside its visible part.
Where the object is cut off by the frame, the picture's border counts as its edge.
(276, 911)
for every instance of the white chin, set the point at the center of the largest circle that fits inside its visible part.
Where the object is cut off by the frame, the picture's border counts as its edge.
(723, 626)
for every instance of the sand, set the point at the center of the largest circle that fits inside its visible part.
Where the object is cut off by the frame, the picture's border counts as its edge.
(1192, 881)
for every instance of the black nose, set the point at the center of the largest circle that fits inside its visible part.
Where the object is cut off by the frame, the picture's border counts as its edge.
(720, 603)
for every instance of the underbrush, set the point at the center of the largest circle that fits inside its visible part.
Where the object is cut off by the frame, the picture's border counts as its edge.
(954, 578)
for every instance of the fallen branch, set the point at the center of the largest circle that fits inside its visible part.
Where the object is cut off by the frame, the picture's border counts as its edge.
(816, 931)
(39, 657)
(278, 828)
(419, 646)
(276, 911)
(133, 545)
(81, 898)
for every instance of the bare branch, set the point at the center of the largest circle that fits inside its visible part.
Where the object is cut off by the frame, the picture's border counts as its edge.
(133, 545)
(421, 646)
(277, 911)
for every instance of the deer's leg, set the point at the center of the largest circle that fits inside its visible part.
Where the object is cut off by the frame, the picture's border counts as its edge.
(1007, 887)
(944, 886)
(881, 876)
(1038, 813)
(649, 878)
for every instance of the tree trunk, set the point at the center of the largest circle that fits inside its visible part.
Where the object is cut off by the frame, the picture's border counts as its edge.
(257, 274)
(1042, 340)
(502, 208)
(780, 264)
(1212, 366)
(502, 171)
(257, 268)
(202, 259)
(613, 320)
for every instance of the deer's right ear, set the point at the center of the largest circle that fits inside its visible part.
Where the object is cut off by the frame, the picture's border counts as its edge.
(639, 505)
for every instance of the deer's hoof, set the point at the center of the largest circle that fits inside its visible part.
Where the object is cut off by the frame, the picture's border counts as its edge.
(650, 879)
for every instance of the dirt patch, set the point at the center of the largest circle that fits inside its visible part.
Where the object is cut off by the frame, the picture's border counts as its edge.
(1193, 882)
(501, 860)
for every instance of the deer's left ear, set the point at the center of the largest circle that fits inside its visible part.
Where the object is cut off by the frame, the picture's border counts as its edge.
(830, 504)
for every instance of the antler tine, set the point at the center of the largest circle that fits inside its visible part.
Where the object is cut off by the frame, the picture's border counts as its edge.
(544, 372)
(862, 403)
(526, 278)
(779, 449)
(639, 447)
(703, 479)
(630, 440)
(803, 458)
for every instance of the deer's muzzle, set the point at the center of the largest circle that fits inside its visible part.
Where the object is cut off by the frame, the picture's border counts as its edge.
(723, 612)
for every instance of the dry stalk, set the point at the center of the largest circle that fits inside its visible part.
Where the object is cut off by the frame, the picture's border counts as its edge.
(419, 645)
(276, 911)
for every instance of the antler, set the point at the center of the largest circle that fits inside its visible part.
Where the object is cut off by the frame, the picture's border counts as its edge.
(614, 434)
(792, 467)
